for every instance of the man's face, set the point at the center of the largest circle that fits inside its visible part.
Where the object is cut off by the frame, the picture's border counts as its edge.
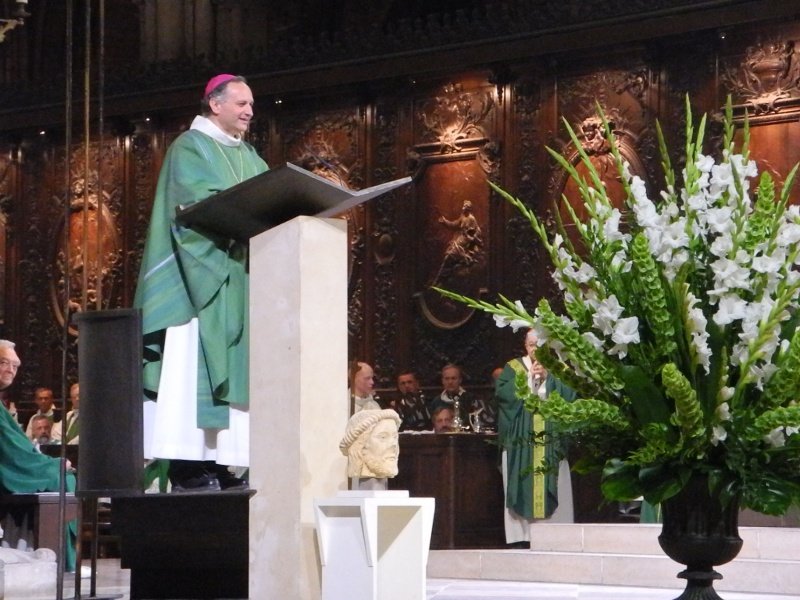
(75, 396)
(407, 384)
(381, 449)
(451, 379)
(364, 381)
(443, 420)
(44, 400)
(530, 343)
(233, 111)
(9, 363)
(41, 428)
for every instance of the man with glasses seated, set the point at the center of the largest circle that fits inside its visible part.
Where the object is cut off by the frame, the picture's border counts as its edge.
(23, 470)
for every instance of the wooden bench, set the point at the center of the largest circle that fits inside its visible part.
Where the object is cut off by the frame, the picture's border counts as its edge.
(34, 518)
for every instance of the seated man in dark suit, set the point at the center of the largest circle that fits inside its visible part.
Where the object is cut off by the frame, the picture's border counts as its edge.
(412, 406)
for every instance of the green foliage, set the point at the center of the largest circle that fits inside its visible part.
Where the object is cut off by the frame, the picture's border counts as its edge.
(679, 332)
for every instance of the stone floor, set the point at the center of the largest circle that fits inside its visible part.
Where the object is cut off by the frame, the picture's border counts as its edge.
(442, 589)
(113, 580)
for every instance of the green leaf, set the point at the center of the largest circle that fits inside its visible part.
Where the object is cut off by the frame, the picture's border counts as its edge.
(663, 482)
(586, 464)
(620, 481)
(647, 401)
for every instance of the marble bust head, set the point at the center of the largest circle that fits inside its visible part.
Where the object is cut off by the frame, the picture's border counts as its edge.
(371, 444)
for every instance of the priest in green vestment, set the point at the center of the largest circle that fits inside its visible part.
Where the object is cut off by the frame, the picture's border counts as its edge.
(23, 469)
(528, 496)
(192, 290)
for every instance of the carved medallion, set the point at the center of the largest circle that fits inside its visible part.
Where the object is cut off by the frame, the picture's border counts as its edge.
(768, 74)
(453, 118)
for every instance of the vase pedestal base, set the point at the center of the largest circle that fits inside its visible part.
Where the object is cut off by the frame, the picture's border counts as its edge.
(699, 585)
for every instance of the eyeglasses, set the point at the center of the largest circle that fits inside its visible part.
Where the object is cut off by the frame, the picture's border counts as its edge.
(7, 364)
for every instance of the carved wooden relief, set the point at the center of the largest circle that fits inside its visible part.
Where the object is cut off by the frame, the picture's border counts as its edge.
(767, 77)
(6, 165)
(595, 145)
(139, 206)
(86, 248)
(330, 145)
(525, 253)
(455, 240)
(385, 240)
(623, 96)
(764, 82)
(454, 158)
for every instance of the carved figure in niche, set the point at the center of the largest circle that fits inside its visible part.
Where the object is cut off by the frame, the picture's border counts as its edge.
(769, 72)
(465, 249)
(371, 443)
(94, 247)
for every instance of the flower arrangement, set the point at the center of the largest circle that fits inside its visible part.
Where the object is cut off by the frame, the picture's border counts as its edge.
(679, 331)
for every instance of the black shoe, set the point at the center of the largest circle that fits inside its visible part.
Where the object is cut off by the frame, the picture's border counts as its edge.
(227, 480)
(203, 483)
(519, 545)
(191, 476)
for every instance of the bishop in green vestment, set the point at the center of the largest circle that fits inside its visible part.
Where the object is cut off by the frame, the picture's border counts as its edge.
(191, 277)
(515, 426)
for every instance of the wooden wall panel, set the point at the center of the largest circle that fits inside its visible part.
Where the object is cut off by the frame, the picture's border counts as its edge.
(451, 130)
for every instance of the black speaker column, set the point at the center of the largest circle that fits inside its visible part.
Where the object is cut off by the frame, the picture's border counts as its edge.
(110, 375)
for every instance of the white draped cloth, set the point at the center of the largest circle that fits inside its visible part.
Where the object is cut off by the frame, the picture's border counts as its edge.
(170, 425)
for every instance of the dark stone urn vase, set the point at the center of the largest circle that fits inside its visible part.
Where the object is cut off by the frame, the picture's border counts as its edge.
(700, 533)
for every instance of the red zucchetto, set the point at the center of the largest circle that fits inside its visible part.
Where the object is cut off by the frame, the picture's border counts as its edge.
(217, 81)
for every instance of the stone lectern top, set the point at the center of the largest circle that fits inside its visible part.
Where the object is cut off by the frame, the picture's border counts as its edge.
(272, 198)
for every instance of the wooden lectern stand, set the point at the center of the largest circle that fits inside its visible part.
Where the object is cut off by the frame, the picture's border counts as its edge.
(298, 360)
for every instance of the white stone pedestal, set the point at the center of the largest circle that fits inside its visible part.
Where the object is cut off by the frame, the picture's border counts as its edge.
(27, 574)
(298, 398)
(374, 545)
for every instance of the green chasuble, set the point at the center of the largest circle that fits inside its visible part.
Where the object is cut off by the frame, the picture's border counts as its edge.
(24, 470)
(185, 274)
(515, 427)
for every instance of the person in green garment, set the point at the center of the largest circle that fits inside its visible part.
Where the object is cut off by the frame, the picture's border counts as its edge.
(23, 469)
(528, 496)
(192, 290)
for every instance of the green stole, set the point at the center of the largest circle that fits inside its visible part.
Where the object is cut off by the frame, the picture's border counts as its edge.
(538, 479)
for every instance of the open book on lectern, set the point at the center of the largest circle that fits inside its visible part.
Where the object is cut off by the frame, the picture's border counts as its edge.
(272, 198)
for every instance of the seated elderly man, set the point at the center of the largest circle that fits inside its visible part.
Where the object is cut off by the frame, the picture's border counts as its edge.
(41, 430)
(371, 443)
(454, 396)
(23, 470)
